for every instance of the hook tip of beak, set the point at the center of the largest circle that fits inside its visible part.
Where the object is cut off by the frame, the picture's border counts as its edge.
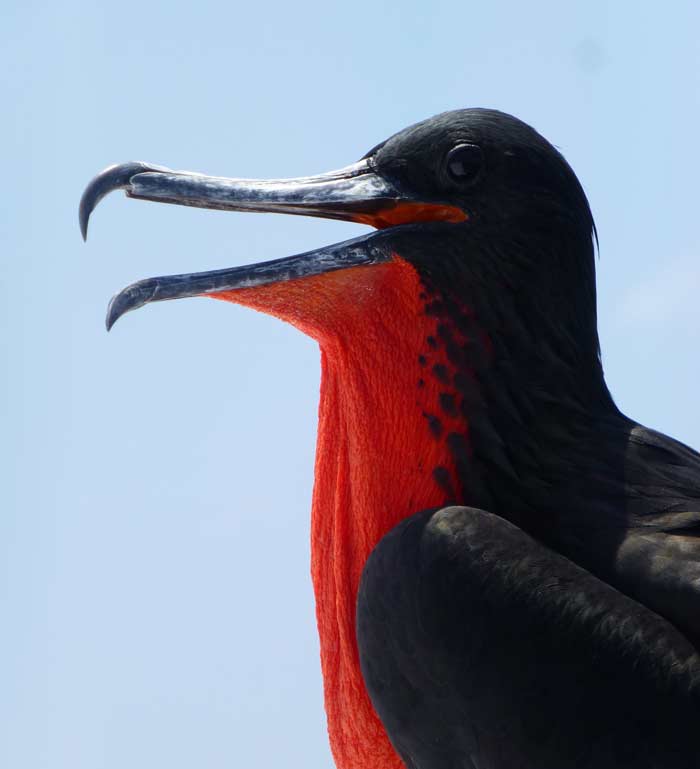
(117, 177)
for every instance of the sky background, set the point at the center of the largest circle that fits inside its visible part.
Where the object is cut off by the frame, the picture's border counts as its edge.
(155, 594)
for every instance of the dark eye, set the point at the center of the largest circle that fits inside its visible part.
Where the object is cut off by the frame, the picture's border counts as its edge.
(464, 162)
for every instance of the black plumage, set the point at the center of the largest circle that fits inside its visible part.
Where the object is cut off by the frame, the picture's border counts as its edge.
(484, 649)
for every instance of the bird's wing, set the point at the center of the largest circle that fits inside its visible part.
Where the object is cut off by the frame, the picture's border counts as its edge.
(480, 645)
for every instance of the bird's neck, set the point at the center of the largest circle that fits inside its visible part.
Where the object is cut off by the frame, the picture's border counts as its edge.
(382, 455)
(415, 413)
(412, 416)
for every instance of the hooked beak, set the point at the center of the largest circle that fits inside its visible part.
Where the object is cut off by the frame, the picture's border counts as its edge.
(356, 193)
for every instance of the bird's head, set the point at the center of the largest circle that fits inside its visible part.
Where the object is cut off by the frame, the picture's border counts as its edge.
(471, 197)
(496, 169)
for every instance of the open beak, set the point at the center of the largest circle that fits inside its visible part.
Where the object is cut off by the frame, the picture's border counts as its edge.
(356, 193)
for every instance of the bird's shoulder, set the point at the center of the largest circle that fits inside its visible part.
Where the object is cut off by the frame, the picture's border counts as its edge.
(663, 466)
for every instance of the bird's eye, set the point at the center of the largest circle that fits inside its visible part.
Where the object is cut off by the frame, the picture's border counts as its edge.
(464, 162)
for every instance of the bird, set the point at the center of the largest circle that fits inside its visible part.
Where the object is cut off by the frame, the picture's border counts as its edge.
(506, 567)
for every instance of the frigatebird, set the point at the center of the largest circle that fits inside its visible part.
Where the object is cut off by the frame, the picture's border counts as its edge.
(506, 567)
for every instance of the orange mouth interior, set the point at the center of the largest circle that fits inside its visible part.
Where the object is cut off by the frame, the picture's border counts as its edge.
(409, 213)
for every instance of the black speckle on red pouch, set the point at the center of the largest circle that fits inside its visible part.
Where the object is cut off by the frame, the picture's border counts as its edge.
(441, 373)
(448, 404)
(434, 424)
(443, 479)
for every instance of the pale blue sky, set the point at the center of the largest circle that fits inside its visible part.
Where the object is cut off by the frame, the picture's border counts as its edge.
(154, 566)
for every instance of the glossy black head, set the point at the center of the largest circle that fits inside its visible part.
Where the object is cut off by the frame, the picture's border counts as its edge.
(524, 257)
(494, 166)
